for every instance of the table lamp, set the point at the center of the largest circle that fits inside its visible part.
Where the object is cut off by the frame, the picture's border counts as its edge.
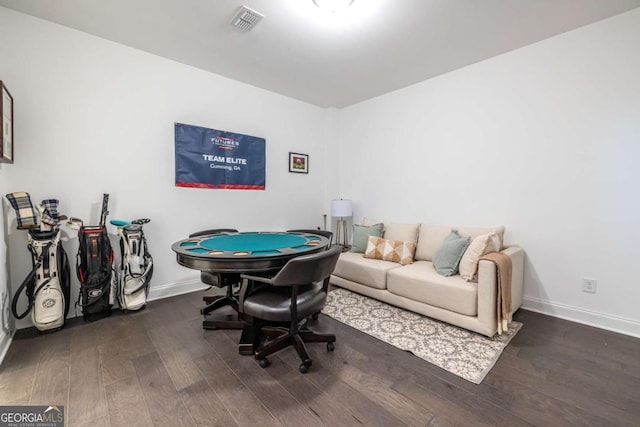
(341, 209)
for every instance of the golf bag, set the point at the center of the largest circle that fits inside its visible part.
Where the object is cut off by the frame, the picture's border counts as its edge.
(47, 285)
(94, 269)
(135, 269)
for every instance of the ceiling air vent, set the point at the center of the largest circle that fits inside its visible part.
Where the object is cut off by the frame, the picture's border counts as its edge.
(246, 18)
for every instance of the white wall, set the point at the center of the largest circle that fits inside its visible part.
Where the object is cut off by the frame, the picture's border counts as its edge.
(7, 323)
(541, 140)
(544, 140)
(92, 116)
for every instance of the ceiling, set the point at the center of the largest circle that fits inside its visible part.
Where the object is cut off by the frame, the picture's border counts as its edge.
(330, 60)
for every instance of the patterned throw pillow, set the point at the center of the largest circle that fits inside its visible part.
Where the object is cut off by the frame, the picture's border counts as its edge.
(390, 250)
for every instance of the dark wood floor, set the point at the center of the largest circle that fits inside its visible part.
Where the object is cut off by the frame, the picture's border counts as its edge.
(158, 367)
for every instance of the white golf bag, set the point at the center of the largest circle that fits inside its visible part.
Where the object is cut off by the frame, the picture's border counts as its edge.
(135, 269)
(47, 285)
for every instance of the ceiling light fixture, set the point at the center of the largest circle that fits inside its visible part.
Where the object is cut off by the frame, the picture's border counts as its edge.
(333, 6)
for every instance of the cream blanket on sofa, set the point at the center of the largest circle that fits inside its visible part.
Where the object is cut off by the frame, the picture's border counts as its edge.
(503, 303)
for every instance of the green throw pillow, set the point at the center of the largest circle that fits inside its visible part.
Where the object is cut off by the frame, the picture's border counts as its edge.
(361, 235)
(447, 258)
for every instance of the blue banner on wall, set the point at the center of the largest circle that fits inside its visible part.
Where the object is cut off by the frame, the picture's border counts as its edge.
(209, 158)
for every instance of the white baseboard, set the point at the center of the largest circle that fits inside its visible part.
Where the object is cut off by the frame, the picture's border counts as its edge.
(4, 346)
(155, 293)
(174, 289)
(580, 315)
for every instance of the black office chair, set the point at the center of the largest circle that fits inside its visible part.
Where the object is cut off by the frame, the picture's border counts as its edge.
(297, 291)
(220, 280)
(326, 233)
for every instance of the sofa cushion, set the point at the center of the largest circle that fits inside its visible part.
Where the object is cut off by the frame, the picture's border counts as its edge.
(430, 237)
(474, 232)
(396, 230)
(369, 272)
(361, 234)
(402, 232)
(447, 258)
(421, 282)
(483, 244)
(390, 250)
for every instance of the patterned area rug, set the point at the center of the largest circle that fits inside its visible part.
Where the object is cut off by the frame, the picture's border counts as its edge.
(466, 354)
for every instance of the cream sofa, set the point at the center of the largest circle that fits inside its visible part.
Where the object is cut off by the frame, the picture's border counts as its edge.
(418, 287)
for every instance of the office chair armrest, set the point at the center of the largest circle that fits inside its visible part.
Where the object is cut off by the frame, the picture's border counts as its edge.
(262, 279)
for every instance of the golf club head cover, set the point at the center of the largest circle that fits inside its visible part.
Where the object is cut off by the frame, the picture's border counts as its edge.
(74, 223)
(50, 212)
(26, 214)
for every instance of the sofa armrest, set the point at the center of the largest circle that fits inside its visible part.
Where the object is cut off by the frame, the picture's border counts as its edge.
(488, 288)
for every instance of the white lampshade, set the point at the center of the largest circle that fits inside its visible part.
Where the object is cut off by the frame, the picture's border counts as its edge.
(341, 208)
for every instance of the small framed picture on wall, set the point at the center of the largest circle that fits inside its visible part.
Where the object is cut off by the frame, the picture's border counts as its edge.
(6, 125)
(298, 163)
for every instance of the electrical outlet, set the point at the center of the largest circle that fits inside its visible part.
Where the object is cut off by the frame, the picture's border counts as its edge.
(589, 285)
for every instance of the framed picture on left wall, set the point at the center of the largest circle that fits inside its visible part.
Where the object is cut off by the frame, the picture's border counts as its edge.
(6, 125)
(298, 163)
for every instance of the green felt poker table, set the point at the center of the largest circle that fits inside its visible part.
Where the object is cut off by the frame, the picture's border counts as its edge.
(231, 254)
(246, 252)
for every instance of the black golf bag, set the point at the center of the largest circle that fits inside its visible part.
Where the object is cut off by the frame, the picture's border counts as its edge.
(94, 269)
(47, 285)
(135, 269)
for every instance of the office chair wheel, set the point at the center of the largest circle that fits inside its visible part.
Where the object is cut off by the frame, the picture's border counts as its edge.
(264, 362)
(303, 369)
(330, 346)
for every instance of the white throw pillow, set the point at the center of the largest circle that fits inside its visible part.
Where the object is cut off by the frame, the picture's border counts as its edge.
(479, 246)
